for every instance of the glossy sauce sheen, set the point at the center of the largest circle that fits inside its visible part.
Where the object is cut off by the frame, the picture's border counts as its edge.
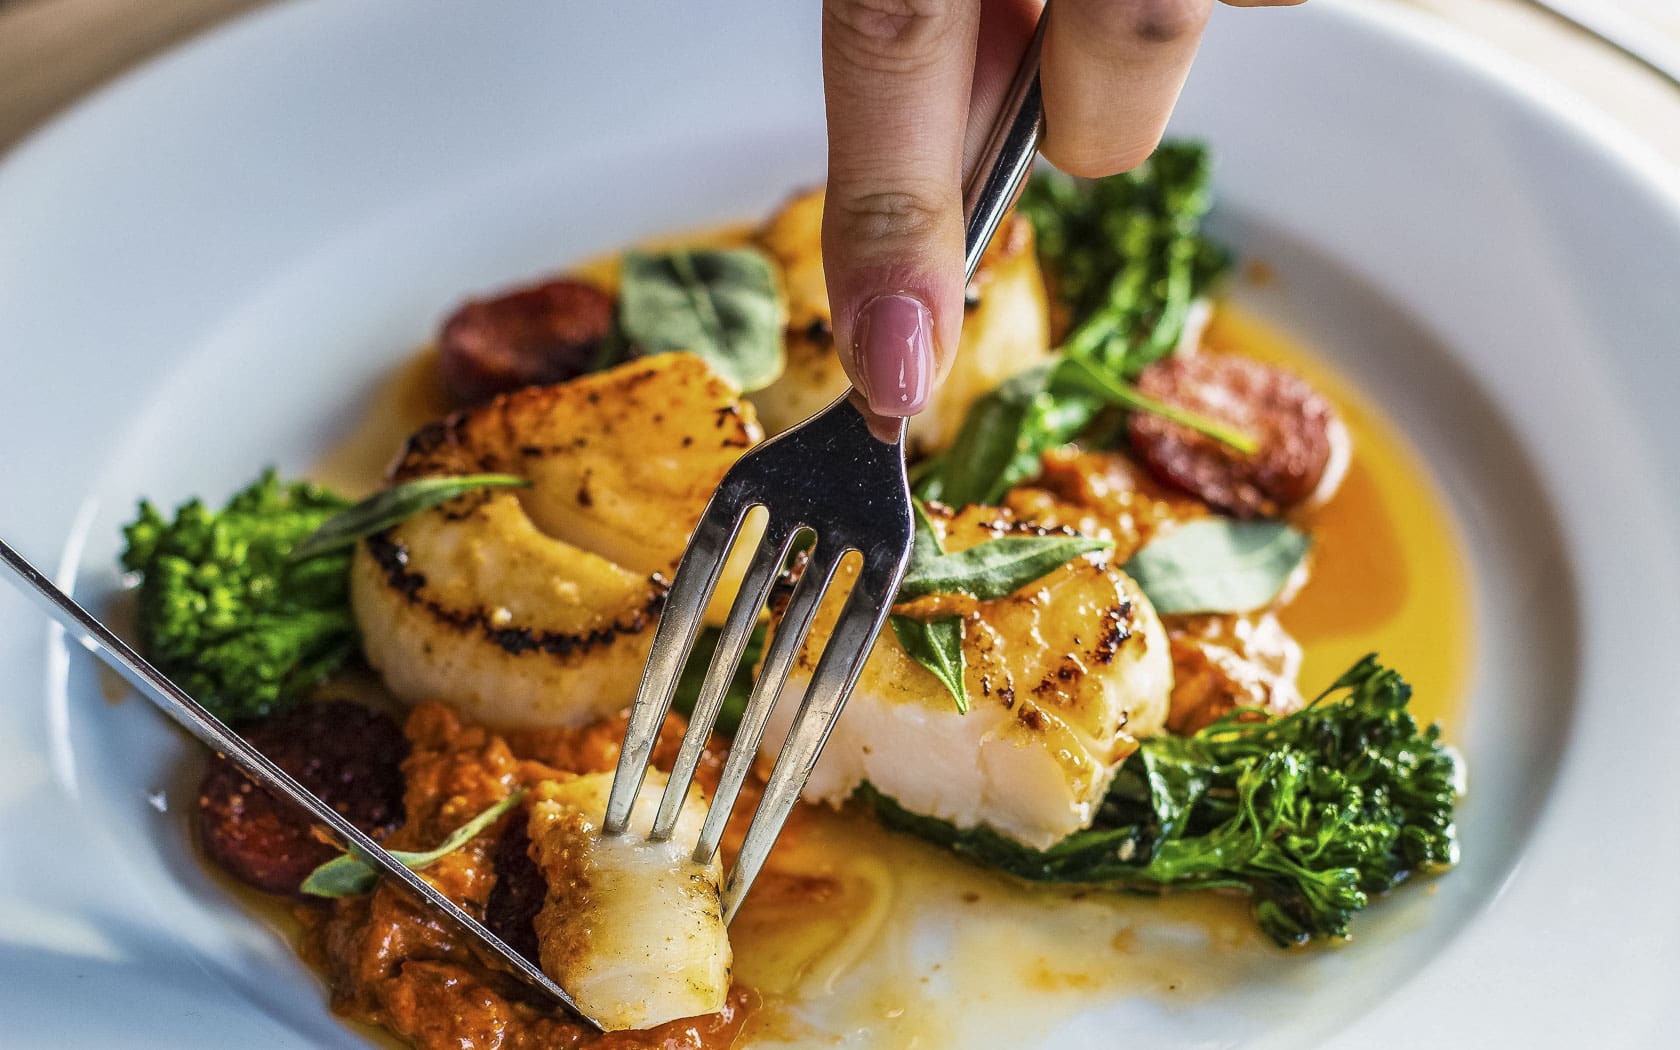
(1388, 572)
(858, 937)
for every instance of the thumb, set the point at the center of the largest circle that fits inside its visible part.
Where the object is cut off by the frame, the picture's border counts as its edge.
(896, 76)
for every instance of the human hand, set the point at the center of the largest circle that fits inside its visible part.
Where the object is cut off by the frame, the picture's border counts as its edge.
(912, 87)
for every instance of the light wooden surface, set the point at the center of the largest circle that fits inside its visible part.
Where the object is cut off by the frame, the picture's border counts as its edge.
(52, 52)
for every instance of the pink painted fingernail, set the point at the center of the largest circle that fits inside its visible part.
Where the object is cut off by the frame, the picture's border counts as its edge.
(892, 344)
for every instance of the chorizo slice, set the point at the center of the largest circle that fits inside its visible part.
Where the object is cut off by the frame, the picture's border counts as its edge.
(1294, 425)
(349, 756)
(545, 333)
(518, 895)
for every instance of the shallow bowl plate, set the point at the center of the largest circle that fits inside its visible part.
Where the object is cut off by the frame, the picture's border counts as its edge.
(206, 267)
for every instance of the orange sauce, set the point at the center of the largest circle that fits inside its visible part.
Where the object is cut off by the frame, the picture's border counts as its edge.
(1389, 573)
(410, 396)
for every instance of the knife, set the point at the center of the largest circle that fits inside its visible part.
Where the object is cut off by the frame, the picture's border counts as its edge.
(215, 734)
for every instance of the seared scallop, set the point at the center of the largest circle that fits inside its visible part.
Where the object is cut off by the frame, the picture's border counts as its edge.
(1221, 661)
(1006, 328)
(537, 605)
(1061, 676)
(632, 929)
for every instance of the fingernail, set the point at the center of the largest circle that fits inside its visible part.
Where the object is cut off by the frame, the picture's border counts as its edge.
(892, 344)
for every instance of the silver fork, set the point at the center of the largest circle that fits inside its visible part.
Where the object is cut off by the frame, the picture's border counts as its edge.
(834, 479)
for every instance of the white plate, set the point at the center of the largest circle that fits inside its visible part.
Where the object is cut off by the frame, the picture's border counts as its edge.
(203, 268)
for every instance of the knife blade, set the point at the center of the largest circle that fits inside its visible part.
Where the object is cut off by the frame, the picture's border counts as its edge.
(215, 734)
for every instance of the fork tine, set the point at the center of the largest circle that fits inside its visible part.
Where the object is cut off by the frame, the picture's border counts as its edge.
(697, 575)
(732, 642)
(778, 661)
(837, 671)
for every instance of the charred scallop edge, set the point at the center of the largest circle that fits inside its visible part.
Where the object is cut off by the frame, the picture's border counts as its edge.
(392, 559)
(1118, 621)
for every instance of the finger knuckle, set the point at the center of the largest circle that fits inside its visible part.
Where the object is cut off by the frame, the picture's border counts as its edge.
(885, 36)
(882, 216)
(1148, 21)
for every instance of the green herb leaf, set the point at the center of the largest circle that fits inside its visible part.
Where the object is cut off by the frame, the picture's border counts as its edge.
(995, 568)
(349, 874)
(394, 506)
(926, 546)
(1077, 373)
(1003, 436)
(722, 304)
(1007, 431)
(987, 570)
(937, 646)
(1217, 565)
(735, 695)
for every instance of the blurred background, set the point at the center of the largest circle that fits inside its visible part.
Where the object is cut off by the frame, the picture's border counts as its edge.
(54, 51)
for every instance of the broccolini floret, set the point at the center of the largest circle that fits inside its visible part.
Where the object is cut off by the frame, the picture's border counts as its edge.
(224, 612)
(1309, 814)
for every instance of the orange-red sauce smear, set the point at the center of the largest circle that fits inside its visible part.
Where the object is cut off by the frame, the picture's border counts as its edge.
(392, 962)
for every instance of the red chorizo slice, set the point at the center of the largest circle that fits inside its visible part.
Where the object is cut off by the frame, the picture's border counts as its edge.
(349, 756)
(546, 333)
(518, 895)
(1293, 424)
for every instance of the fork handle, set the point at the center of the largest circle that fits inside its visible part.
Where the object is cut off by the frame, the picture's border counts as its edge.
(1008, 157)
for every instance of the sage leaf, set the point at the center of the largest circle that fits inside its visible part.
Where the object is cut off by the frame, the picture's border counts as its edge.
(995, 568)
(349, 874)
(1218, 565)
(394, 506)
(926, 546)
(721, 304)
(937, 646)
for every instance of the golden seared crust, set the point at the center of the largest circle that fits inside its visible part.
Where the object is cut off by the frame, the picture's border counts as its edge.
(1006, 328)
(1102, 494)
(1036, 651)
(1220, 661)
(1061, 677)
(563, 844)
(537, 605)
(614, 458)
(392, 558)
